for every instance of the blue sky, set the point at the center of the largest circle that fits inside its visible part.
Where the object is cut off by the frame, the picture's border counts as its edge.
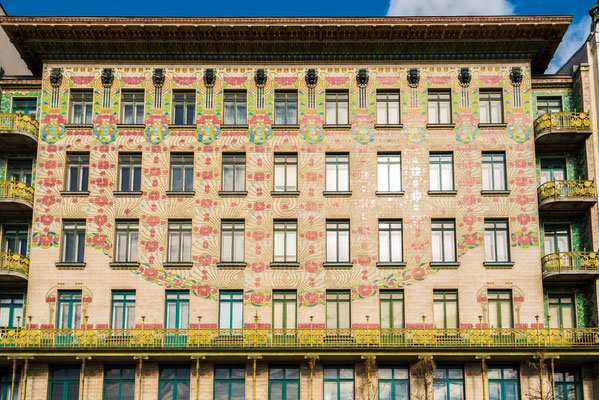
(574, 37)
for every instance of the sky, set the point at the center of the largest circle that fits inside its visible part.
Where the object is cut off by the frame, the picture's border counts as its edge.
(575, 36)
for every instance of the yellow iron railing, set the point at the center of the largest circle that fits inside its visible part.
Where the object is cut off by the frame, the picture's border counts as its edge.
(571, 261)
(19, 122)
(567, 188)
(14, 262)
(562, 121)
(228, 339)
(16, 190)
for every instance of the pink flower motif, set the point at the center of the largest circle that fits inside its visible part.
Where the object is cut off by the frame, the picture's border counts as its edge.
(133, 80)
(234, 80)
(207, 174)
(206, 203)
(184, 80)
(388, 80)
(520, 163)
(259, 206)
(50, 164)
(153, 220)
(523, 218)
(311, 176)
(155, 171)
(82, 80)
(312, 235)
(258, 235)
(364, 260)
(151, 246)
(50, 182)
(490, 80)
(468, 200)
(205, 260)
(259, 176)
(102, 182)
(521, 181)
(311, 267)
(48, 200)
(439, 80)
(311, 298)
(286, 80)
(522, 200)
(153, 196)
(101, 201)
(418, 273)
(469, 219)
(46, 219)
(205, 230)
(99, 240)
(103, 164)
(100, 220)
(150, 273)
(257, 297)
(524, 239)
(311, 206)
(365, 290)
(204, 290)
(336, 80)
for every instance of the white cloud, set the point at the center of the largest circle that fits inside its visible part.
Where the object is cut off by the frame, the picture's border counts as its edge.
(573, 39)
(450, 7)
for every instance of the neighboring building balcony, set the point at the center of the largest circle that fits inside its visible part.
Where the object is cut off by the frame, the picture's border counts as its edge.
(16, 199)
(566, 198)
(563, 131)
(18, 133)
(571, 266)
(14, 268)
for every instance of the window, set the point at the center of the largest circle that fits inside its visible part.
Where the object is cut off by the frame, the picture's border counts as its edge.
(390, 241)
(14, 239)
(126, 241)
(338, 241)
(81, 106)
(568, 385)
(283, 383)
(387, 107)
(491, 107)
(130, 172)
(133, 107)
(232, 241)
(494, 171)
(548, 104)
(179, 241)
(557, 238)
(285, 108)
(73, 241)
(229, 382)
(439, 107)
(64, 383)
(338, 309)
(285, 172)
(25, 105)
(230, 310)
(19, 171)
(441, 170)
(389, 172)
(123, 309)
(500, 308)
(184, 107)
(284, 306)
(235, 104)
(77, 172)
(285, 241)
(448, 383)
(504, 383)
(443, 240)
(553, 169)
(174, 383)
(233, 172)
(337, 172)
(394, 383)
(69, 309)
(119, 383)
(391, 309)
(338, 382)
(11, 310)
(177, 309)
(182, 172)
(337, 105)
(6, 384)
(496, 240)
(445, 309)
(561, 311)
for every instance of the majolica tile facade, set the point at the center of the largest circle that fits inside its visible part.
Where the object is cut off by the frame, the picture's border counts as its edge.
(309, 225)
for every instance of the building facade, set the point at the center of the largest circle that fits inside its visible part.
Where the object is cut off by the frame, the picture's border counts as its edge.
(361, 208)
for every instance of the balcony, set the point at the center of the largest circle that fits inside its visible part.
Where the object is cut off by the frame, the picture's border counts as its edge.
(16, 199)
(563, 131)
(566, 198)
(572, 266)
(18, 133)
(14, 268)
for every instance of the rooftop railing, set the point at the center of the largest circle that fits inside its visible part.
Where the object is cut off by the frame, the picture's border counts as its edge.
(19, 123)
(16, 190)
(562, 121)
(570, 261)
(13, 262)
(567, 189)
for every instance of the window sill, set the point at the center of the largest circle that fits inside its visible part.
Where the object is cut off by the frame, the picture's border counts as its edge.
(78, 126)
(231, 265)
(225, 127)
(494, 192)
(390, 127)
(398, 264)
(498, 264)
(176, 193)
(232, 194)
(492, 126)
(284, 265)
(338, 264)
(70, 265)
(336, 126)
(130, 126)
(389, 194)
(444, 265)
(69, 193)
(442, 192)
(178, 265)
(181, 126)
(329, 193)
(124, 264)
(440, 126)
(282, 193)
(285, 127)
(122, 193)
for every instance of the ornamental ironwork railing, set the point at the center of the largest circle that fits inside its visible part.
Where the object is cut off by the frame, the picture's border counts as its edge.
(571, 261)
(16, 190)
(19, 122)
(562, 121)
(567, 188)
(14, 262)
(249, 338)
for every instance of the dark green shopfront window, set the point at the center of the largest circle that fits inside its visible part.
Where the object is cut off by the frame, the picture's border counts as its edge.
(394, 383)
(20, 170)
(338, 382)
(174, 383)
(548, 104)
(553, 169)
(229, 382)
(64, 383)
(448, 383)
(284, 383)
(15, 239)
(119, 382)
(6, 385)
(568, 385)
(11, 310)
(504, 383)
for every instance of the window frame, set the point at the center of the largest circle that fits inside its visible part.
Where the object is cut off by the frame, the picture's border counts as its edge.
(443, 246)
(234, 160)
(231, 300)
(391, 303)
(64, 382)
(289, 227)
(337, 230)
(236, 104)
(78, 240)
(84, 103)
(489, 92)
(290, 296)
(393, 380)
(338, 380)
(388, 163)
(553, 227)
(134, 103)
(6, 382)
(182, 298)
(336, 159)
(120, 380)
(503, 381)
(177, 226)
(135, 172)
(287, 160)
(447, 380)
(386, 101)
(13, 307)
(126, 301)
(72, 301)
(82, 185)
(564, 384)
(440, 162)
(286, 93)
(494, 230)
(337, 302)
(234, 229)
(186, 110)
(445, 300)
(547, 107)
(26, 99)
(181, 162)
(230, 379)
(337, 101)
(492, 163)
(132, 227)
(438, 101)
(283, 380)
(497, 303)
(19, 234)
(561, 305)
(390, 230)
(185, 369)
(23, 167)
